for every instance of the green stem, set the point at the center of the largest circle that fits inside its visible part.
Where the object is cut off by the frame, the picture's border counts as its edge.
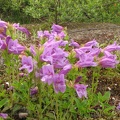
(96, 74)
(40, 99)
(56, 108)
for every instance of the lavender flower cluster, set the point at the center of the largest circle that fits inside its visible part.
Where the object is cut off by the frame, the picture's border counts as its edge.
(50, 61)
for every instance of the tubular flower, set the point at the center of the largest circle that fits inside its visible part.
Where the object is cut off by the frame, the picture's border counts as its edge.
(4, 115)
(27, 63)
(118, 107)
(59, 83)
(15, 47)
(113, 47)
(108, 60)
(86, 60)
(3, 27)
(33, 91)
(47, 74)
(40, 34)
(53, 54)
(74, 44)
(57, 28)
(24, 30)
(66, 69)
(32, 50)
(2, 44)
(81, 90)
(92, 44)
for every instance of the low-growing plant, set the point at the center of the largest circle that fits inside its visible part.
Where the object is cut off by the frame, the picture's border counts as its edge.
(50, 81)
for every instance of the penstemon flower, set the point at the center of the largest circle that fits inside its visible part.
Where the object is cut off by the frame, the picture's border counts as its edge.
(24, 30)
(3, 27)
(59, 83)
(108, 60)
(74, 44)
(66, 69)
(27, 63)
(57, 28)
(118, 107)
(14, 47)
(47, 74)
(4, 115)
(81, 90)
(92, 44)
(2, 44)
(86, 60)
(33, 91)
(32, 50)
(113, 47)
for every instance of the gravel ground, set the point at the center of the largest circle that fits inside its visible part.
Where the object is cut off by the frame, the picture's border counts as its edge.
(102, 32)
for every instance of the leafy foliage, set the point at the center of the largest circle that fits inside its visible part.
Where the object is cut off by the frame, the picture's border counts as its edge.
(27, 11)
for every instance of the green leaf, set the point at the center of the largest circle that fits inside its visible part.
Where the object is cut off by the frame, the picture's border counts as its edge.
(106, 96)
(2, 94)
(108, 109)
(16, 107)
(3, 102)
(50, 115)
(77, 103)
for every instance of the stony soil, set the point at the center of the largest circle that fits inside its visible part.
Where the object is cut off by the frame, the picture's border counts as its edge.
(102, 32)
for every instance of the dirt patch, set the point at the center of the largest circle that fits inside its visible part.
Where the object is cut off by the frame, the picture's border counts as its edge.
(102, 32)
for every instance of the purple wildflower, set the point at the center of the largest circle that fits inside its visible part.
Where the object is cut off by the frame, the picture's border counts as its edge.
(74, 44)
(4, 115)
(86, 60)
(59, 61)
(3, 24)
(14, 46)
(27, 63)
(78, 79)
(46, 55)
(63, 43)
(33, 91)
(40, 34)
(118, 107)
(113, 47)
(2, 44)
(2, 36)
(86, 64)
(81, 90)
(46, 33)
(16, 26)
(59, 83)
(57, 28)
(52, 53)
(66, 69)
(92, 44)
(47, 74)
(108, 61)
(32, 50)
(88, 51)
(61, 35)
(3, 27)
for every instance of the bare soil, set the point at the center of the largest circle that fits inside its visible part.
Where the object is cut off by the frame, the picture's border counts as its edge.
(102, 32)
